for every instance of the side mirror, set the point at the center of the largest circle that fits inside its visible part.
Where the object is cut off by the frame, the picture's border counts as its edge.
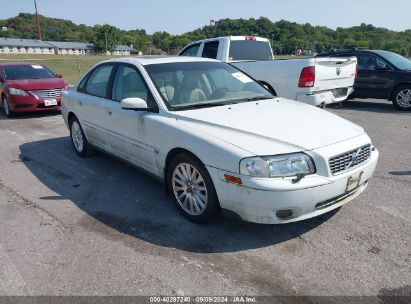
(134, 103)
(59, 76)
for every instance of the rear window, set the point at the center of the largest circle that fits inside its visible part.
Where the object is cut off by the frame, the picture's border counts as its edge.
(210, 49)
(34, 71)
(250, 50)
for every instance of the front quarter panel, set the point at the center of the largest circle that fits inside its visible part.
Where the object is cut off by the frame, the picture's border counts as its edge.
(169, 134)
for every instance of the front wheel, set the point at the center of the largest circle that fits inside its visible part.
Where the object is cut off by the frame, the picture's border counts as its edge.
(192, 189)
(402, 98)
(6, 107)
(78, 139)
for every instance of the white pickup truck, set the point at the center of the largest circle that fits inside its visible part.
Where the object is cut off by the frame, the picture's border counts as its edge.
(315, 81)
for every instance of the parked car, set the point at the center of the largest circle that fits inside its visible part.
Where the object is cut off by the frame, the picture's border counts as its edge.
(381, 75)
(317, 82)
(26, 87)
(218, 139)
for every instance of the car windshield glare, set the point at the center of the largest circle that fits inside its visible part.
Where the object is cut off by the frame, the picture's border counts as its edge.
(185, 85)
(17, 72)
(397, 60)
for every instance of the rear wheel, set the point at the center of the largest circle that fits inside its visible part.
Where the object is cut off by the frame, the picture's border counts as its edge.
(402, 98)
(6, 107)
(78, 139)
(192, 189)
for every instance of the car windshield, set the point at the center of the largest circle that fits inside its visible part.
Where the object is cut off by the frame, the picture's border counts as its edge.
(397, 60)
(186, 85)
(16, 72)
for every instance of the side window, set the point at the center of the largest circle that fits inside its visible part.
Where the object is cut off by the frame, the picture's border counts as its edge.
(191, 50)
(98, 80)
(129, 83)
(82, 85)
(381, 63)
(366, 62)
(210, 49)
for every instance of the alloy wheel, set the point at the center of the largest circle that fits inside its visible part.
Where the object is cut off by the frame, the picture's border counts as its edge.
(6, 107)
(189, 189)
(404, 98)
(77, 136)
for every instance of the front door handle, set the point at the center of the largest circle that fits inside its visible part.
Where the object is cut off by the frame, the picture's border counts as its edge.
(108, 111)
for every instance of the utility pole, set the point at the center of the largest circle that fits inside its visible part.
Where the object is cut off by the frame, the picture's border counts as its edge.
(37, 21)
(105, 34)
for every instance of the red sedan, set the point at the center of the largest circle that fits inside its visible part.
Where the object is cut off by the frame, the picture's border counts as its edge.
(26, 87)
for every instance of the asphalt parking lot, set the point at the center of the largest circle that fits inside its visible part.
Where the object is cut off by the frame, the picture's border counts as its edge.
(95, 226)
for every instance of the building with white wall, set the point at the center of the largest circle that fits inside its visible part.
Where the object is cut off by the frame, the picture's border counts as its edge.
(71, 48)
(123, 50)
(31, 46)
(24, 46)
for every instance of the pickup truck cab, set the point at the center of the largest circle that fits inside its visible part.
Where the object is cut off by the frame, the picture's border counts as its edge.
(381, 75)
(315, 81)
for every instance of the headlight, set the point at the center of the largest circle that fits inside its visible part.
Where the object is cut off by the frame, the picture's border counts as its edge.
(14, 91)
(277, 166)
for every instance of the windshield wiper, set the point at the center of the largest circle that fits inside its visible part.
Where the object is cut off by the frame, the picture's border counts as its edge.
(200, 106)
(259, 98)
(256, 98)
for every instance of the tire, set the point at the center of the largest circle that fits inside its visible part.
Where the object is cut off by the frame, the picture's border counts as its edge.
(78, 139)
(402, 98)
(6, 106)
(195, 197)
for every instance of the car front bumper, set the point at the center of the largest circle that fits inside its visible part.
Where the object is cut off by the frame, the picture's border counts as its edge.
(22, 104)
(259, 200)
(318, 98)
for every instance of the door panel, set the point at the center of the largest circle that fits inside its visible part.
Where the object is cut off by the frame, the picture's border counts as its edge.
(129, 135)
(371, 82)
(94, 104)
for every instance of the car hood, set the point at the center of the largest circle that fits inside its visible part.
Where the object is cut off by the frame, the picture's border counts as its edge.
(37, 84)
(272, 126)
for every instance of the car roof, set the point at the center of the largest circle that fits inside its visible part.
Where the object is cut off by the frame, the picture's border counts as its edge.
(148, 60)
(352, 51)
(3, 64)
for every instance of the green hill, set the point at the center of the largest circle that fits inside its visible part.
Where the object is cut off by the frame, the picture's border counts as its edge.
(287, 36)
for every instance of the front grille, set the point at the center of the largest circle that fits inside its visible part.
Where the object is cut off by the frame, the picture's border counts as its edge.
(43, 94)
(349, 160)
(338, 199)
(23, 106)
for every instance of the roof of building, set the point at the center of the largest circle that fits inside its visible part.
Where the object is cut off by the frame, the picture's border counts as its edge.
(71, 45)
(124, 48)
(15, 42)
(23, 42)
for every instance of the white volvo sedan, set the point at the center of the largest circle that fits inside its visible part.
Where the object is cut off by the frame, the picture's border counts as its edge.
(219, 141)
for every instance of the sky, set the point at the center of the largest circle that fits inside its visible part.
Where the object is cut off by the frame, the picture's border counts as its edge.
(179, 16)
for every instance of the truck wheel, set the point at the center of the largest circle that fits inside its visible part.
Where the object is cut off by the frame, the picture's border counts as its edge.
(402, 98)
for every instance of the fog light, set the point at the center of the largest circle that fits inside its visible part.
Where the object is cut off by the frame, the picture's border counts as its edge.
(283, 214)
